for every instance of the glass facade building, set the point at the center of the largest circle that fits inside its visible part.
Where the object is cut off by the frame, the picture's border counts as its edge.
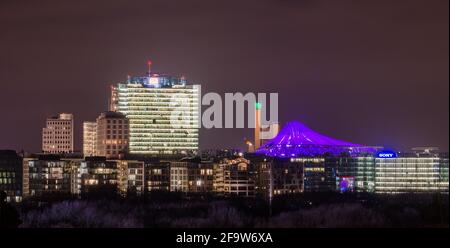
(415, 172)
(163, 114)
(318, 176)
(443, 170)
(354, 174)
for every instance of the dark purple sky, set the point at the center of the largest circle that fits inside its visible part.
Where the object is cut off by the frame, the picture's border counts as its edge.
(369, 72)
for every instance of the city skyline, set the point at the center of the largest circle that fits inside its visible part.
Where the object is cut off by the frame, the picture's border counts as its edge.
(402, 102)
(224, 123)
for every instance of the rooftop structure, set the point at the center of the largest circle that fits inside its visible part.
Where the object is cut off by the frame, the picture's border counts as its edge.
(297, 140)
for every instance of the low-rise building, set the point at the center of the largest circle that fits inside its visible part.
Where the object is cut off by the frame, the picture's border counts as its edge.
(423, 170)
(234, 177)
(354, 174)
(157, 176)
(278, 176)
(11, 174)
(318, 176)
(96, 173)
(130, 177)
(49, 175)
(179, 180)
(193, 177)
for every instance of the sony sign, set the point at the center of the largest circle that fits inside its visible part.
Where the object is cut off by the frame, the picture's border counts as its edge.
(387, 154)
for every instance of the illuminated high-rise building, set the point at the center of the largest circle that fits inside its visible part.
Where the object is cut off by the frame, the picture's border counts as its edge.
(111, 135)
(57, 136)
(89, 138)
(162, 111)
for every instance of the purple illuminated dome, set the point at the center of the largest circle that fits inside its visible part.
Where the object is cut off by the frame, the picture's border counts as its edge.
(297, 140)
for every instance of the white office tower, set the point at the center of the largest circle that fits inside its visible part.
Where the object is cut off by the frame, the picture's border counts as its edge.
(424, 170)
(89, 138)
(57, 135)
(163, 113)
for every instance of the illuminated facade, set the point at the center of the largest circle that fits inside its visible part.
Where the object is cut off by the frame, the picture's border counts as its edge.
(279, 176)
(297, 140)
(114, 100)
(11, 174)
(89, 138)
(26, 177)
(318, 175)
(96, 173)
(157, 176)
(443, 171)
(314, 162)
(200, 177)
(50, 175)
(111, 135)
(352, 167)
(193, 177)
(414, 172)
(130, 177)
(179, 180)
(354, 174)
(162, 111)
(57, 135)
(234, 177)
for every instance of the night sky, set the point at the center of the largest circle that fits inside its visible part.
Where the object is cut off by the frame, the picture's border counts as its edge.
(369, 72)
